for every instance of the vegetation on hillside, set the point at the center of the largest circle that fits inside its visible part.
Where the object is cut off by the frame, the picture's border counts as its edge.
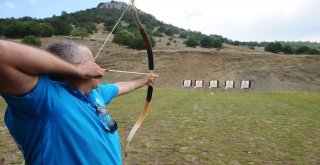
(83, 23)
(287, 48)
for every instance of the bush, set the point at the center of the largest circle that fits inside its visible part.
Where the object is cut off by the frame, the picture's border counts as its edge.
(302, 50)
(236, 43)
(61, 27)
(1, 30)
(287, 49)
(192, 42)
(183, 34)
(79, 31)
(274, 47)
(32, 40)
(313, 51)
(207, 42)
(169, 32)
(217, 43)
(137, 43)
(123, 37)
(157, 34)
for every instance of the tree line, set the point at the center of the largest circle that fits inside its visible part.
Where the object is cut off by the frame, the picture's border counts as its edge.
(83, 23)
(287, 48)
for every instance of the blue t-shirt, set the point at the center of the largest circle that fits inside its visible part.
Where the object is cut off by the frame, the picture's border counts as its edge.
(56, 124)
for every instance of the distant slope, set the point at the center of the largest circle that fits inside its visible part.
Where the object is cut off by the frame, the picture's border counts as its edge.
(268, 71)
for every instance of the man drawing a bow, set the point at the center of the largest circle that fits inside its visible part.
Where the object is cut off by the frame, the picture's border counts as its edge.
(56, 106)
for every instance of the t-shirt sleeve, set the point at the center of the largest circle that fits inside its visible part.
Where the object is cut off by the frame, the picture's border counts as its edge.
(29, 103)
(108, 92)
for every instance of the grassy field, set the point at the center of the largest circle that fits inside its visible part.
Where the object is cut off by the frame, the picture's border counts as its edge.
(186, 127)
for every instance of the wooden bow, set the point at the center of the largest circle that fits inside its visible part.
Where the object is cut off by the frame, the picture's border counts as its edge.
(146, 108)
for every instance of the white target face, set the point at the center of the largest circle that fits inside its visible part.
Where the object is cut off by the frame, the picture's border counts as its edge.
(245, 84)
(213, 84)
(229, 84)
(199, 84)
(187, 83)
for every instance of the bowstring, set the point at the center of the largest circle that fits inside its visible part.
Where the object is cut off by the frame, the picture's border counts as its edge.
(114, 27)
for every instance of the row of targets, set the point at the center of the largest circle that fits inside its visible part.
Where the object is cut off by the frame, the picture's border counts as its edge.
(228, 84)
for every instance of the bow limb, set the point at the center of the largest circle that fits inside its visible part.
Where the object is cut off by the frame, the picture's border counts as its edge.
(146, 108)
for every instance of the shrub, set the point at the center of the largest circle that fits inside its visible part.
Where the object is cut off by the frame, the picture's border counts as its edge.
(183, 34)
(169, 32)
(123, 37)
(302, 50)
(207, 42)
(157, 34)
(217, 43)
(79, 31)
(32, 40)
(313, 51)
(274, 47)
(287, 49)
(192, 42)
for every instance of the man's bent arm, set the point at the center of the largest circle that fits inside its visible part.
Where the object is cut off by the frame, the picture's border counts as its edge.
(21, 65)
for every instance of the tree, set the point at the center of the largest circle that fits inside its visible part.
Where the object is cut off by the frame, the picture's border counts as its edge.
(123, 37)
(302, 50)
(79, 31)
(1, 30)
(207, 42)
(236, 43)
(157, 34)
(183, 34)
(32, 40)
(162, 29)
(100, 4)
(61, 27)
(169, 32)
(313, 51)
(137, 43)
(287, 49)
(274, 47)
(192, 41)
(217, 43)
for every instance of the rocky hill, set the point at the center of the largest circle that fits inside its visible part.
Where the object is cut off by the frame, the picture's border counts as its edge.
(113, 5)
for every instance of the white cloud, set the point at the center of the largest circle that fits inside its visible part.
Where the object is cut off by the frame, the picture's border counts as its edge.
(240, 19)
(10, 5)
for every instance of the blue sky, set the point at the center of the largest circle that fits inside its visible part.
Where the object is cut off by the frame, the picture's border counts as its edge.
(244, 20)
(42, 8)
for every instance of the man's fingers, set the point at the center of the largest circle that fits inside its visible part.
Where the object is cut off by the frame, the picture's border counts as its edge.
(155, 75)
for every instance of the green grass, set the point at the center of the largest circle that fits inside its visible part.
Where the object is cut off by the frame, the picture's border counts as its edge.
(186, 127)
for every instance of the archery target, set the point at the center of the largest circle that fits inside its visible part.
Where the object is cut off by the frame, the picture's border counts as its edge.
(187, 83)
(229, 85)
(213, 84)
(198, 84)
(245, 84)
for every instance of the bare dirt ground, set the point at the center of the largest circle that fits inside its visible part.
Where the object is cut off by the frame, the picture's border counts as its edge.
(174, 63)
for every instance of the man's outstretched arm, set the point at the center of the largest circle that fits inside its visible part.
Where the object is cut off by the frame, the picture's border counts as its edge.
(21, 65)
(129, 86)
